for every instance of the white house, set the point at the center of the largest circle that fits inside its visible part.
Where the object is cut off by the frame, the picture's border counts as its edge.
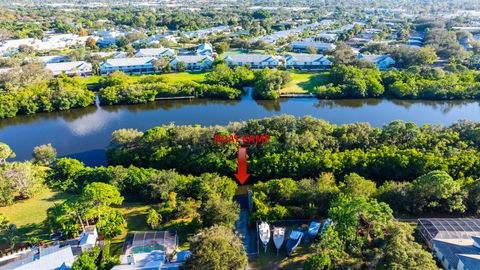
(204, 49)
(134, 65)
(307, 62)
(382, 61)
(110, 54)
(253, 60)
(39, 258)
(193, 62)
(301, 46)
(107, 38)
(155, 52)
(88, 238)
(50, 59)
(81, 68)
(9, 46)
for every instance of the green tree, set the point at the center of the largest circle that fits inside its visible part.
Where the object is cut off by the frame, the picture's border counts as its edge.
(437, 190)
(87, 260)
(218, 248)
(218, 211)
(356, 186)
(5, 152)
(402, 252)
(44, 154)
(153, 219)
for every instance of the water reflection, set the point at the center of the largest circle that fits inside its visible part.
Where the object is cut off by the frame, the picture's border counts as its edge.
(84, 133)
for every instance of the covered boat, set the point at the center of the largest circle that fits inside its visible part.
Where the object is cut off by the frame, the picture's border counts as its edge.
(313, 229)
(326, 223)
(264, 234)
(278, 237)
(294, 240)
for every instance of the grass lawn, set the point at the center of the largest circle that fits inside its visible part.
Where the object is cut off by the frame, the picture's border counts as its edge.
(184, 76)
(29, 214)
(270, 260)
(240, 51)
(304, 82)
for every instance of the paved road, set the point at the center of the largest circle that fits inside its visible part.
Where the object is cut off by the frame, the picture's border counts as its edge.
(248, 234)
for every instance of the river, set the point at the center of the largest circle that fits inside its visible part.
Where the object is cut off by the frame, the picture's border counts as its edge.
(84, 133)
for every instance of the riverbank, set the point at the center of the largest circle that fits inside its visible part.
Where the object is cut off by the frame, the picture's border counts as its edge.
(85, 133)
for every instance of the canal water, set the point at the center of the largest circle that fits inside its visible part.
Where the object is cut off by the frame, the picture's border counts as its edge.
(84, 133)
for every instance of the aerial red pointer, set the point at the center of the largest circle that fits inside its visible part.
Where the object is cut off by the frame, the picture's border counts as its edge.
(242, 174)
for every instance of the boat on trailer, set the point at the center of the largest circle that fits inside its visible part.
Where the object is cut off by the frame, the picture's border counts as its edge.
(313, 229)
(264, 234)
(278, 237)
(294, 240)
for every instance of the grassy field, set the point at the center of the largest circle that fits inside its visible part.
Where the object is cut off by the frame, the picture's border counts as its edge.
(29, 214)
(304, 82)
(270, 260)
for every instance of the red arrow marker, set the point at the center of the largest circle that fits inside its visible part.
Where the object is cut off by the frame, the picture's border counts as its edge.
(242, 174)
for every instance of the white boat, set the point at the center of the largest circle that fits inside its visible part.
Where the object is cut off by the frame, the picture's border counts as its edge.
(278, 237)
(264, 234)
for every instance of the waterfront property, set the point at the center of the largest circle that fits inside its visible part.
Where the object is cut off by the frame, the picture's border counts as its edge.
(455, 242)
(302, 46)
(193, 62)
(256, 61)
(382, 61)
(134, 65)
(81, 68)
(307, 62)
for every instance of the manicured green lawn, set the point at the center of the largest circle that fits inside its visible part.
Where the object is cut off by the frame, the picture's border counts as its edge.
(184, 76)
(304, 82)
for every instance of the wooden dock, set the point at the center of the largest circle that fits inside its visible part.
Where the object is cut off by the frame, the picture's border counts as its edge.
(298, 95)
(171, 98)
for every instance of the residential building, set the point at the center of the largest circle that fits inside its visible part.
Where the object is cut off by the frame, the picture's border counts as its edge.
(155, 39)
(107, 38)
(327, 36)
(204, 49)
(133, 65)
(301, 46)
(193, 62)
(51, 59)
(88, 238)
(257, 61)
(39, 258)
(117, 54)
(10, 46)
(455, 242)
(307, 62)
(81, 68)
(382, 61)
(208, 31)
(155, 52)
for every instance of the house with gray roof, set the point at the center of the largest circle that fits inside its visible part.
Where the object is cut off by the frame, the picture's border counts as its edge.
(204, 49)
(196, 62)
(301, 46)
(256, 61)
(80, 68)
(382, 61)
(39, 258)
(133, 65)
(307, 62)
(155, 52)
(455, 242)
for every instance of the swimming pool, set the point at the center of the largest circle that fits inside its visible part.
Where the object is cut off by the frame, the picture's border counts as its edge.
(146, 248)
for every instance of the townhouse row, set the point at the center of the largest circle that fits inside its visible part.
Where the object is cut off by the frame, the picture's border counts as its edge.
(198, 62)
